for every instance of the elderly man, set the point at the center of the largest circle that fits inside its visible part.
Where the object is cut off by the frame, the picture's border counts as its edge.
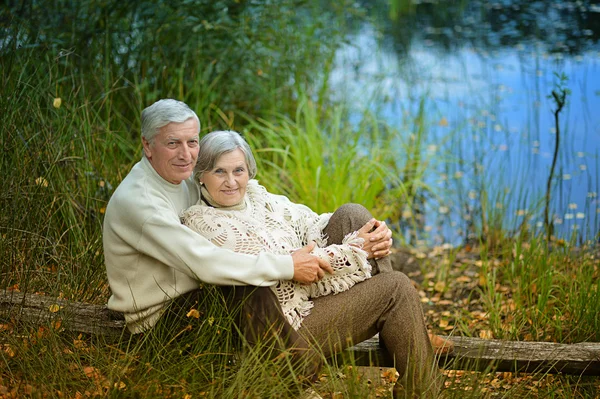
(152, 260)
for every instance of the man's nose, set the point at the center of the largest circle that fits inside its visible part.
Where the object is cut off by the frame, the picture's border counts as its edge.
(184, 152)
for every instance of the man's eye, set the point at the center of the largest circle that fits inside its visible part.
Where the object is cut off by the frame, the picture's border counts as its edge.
(239, 170)
(193, 143)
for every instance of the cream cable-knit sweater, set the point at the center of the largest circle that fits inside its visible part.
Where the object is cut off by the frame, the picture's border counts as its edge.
(272, 223)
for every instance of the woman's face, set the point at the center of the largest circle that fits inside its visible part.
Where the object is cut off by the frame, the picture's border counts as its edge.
(228, 180)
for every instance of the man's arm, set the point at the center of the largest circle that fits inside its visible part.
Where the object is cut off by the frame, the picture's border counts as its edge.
(181, 248)
(144, 237)
(309, 268)
(207, 261)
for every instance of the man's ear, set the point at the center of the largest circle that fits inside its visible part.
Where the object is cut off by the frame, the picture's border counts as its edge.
(147, 150)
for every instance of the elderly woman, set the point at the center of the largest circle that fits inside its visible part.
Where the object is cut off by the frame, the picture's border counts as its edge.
(237, 213)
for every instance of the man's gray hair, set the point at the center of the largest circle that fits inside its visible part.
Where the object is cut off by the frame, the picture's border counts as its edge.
(220, 142)
(163, 112)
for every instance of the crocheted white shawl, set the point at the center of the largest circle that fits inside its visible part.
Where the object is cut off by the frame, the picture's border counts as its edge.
(274, 224)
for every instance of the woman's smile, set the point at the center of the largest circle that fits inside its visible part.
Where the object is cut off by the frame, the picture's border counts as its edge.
(226, 182)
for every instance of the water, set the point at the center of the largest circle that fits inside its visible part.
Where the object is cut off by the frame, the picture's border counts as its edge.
(490, 135)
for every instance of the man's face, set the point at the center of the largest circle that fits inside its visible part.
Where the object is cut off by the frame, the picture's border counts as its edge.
(173, 152)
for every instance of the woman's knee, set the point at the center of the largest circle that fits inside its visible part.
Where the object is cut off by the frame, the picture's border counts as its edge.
(354, 210)
(353, 214)
(345, 220)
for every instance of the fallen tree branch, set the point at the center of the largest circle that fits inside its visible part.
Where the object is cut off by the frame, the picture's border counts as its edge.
(469, 353)
(497, 355)
(73, 316)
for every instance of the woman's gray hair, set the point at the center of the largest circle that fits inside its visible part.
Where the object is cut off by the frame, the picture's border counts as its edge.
(163, 112)
(220, 142)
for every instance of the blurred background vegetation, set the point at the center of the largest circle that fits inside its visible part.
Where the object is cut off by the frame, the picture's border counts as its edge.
(76, 74)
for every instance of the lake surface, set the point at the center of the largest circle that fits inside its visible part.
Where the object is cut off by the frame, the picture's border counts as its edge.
(491, 132)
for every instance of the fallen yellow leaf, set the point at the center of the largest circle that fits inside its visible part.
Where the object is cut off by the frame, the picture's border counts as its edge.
(8, 350)
(91, 372)
(40, 181)
(390, 375)
(439, 286)
(486, 334)
(54, 308)
(482, 280)
(78, 343)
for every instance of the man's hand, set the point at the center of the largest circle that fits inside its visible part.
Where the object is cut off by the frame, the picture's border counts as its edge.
(309, 268)
(378, 239)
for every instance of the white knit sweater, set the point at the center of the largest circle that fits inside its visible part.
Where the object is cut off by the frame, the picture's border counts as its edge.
(273, 224)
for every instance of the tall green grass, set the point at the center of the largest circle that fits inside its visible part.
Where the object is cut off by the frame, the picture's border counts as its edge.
(64, 150)
(323, 161)
(60, 164)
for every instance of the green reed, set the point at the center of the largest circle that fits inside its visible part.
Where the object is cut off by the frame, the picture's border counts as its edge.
(57, 151)
(323, 162)
(59, 166)
(553, 292)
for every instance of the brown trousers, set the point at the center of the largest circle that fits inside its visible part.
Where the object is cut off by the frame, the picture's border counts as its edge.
(387, 304)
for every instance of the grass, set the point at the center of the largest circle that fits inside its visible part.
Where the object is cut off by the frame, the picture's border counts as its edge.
(61, 162)
(324, 162)
(56, 172)
(523, 292)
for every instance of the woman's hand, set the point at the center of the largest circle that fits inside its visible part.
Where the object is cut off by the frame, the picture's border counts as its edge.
(378, 239)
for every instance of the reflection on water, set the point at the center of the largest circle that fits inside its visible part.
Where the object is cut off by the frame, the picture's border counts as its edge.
(486, 78)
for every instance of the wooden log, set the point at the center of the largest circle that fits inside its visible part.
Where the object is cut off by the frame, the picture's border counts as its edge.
(469, 353)
(497, 355)
(73, 316)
